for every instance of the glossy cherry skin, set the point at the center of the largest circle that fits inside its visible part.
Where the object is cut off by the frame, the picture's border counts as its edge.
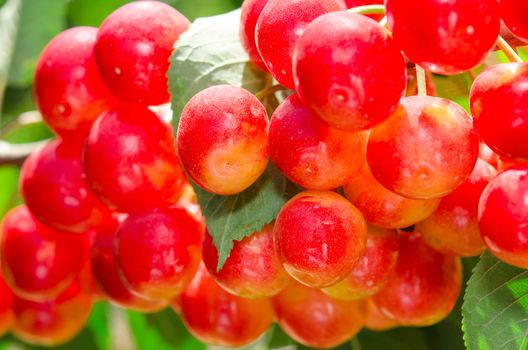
(131, 162)
(217, 317)
(158, 251)
(67, 203)
(39, 262)
(310, 152)
(375, 320)
(133, 47)
(319, 237)
(498, 101)
(253, 269)
(373, 269)
(446, 37)
(278, 29)
(106, 273)
(503, 213)
(6, 307)
(382, 207)
(222, 139)
(55, 321)
(249, 14)
(514, 14)
(69, 90)
(453, 227)
(424, 287)
(339, 65)
(316, 320)
(425, 150)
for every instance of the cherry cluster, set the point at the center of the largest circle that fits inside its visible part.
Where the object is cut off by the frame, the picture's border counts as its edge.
(397, 188)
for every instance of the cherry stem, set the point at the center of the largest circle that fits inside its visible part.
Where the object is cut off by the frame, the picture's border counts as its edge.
(383, 22)
(421, 81)
(508, 50)
(368, 10)
(262, 94)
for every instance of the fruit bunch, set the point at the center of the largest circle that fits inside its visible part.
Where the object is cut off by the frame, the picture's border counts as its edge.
(394, 185)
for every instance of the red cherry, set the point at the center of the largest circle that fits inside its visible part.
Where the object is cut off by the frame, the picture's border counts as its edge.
(6, 307)
(249, 14)
(514, 14)
(69, 90)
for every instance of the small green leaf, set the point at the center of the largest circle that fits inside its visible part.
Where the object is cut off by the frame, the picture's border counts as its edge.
(209, 53)
(495, 310)
(231, 218)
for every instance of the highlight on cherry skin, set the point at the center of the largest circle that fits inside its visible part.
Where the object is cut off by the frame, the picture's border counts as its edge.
(222, 139)
(253, 269)
(319, 236)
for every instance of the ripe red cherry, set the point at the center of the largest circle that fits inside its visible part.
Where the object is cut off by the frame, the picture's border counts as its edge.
(339, 64)
(503, 213)
(158, 251)
(310, 152)
(514, 14)
(55, 321)
(375, 320)
(222, 139)
(133, 48)
(6, 307)
(453, 227)
(279, 27)
(424, 287)
(316, 320)
(425, 149)
(249, 14)
(373, 269)
(67, 203)
(319, 237)
(499, 101)
(253, 269)
(446, 37)
(106, 273)
(130, 160)
(382, 207)
(69, 90)
(217, 317)
(39, 262)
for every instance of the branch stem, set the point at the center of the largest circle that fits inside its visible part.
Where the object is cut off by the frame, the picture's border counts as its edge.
(368, 10)
(421, 81)
(262, 94)
(508, 50)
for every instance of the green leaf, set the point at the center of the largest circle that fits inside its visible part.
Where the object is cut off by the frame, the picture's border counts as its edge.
(161, 331)
(39, 22)
(231, 218)
(209, 53)
(8, 188)
(495, 310)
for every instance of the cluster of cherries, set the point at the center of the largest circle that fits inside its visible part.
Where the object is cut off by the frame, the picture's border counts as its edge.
(109, 214)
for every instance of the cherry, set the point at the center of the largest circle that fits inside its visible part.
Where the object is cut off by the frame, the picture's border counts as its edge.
(106, 273)
(446, 37)
(382, 207)
(453, 227)
(375, 320)
(339, 65)
(253, 269)
(55, 321)
(68, 202)
(216, 317)
(424, 287)
(278, 29)
(498, 103)
(250, 12)
(319, 237)
(316, 320)
(69, 90)
(425, 150)
(158, 251)
(310, 152)
(39, 262)
(130, 160)
(222, 139)
(502, 214)
(6, 307)
(133, 47)
(514, 14)
(373, 269)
